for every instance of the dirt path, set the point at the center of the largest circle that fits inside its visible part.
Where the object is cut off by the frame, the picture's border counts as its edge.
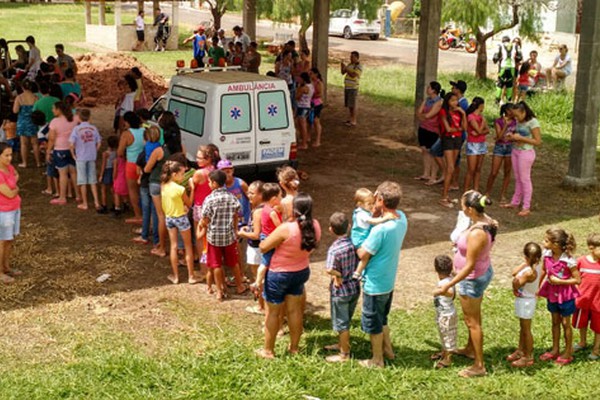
(62, 250)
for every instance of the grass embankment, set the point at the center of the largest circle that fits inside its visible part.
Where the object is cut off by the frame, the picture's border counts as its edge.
(216, 360)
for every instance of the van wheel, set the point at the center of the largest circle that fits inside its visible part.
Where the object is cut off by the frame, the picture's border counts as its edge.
(374, 37)
(347, 33)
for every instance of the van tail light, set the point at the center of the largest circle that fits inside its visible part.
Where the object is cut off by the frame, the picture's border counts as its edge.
(359, 22)
(293, 151)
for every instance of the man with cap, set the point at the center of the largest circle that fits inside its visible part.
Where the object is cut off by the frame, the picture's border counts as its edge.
(507, 57)
(241, 37)
(198, 40)
(162, 32)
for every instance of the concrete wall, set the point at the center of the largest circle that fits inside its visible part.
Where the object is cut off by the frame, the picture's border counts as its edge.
(123, 38)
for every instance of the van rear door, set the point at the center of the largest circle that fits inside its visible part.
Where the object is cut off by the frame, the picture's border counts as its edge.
(275, 123)
(237, 139)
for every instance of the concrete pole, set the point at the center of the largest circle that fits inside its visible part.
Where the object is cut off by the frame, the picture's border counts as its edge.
(174, 38)
(320, 42)
(427, 59)
(586, 107)
(249, 19)
(102, 12)
(117, 12)
(88, 13)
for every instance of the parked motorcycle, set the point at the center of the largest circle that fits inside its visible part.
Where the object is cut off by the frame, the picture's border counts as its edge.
(454, 39)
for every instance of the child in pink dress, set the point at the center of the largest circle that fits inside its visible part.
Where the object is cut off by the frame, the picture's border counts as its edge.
(120, 190)
(559, 279)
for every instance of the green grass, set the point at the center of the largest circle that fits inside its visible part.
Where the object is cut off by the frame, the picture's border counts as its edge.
(207, 362)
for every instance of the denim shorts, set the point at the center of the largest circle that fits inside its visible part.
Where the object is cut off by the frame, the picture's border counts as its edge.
(375, 310)
(503, 149)
(523, 88)
(15, 144)
(86, 172)
(107, 177)
(302, 112)
(154, 189)
(565, 309)
(62, 159)
(474, 288)
(281, 284)
(476, 149)
(10, 224)
(266, 257)
(342, 310)
(180, 223)
(51, 170)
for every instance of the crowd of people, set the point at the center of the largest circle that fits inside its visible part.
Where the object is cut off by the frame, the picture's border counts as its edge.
(448, 120)
(258, 237)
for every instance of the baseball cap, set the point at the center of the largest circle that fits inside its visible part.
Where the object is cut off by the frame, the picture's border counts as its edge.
(224, 164)
(200, 28)
(460, 85)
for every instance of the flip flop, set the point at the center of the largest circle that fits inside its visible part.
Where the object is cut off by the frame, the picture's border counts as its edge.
(563, 361)
(262, 353)
(518, 354)
(332, 347)
(173, 280)
(338, 358)
(255, 310)
(6, 279)
(436, 356)
(522, 363)
(579, 347)
(548, 356)
(442, 364)
(593, 357)
(369, 364)
(14, 272)
(509, 205)
(57, 202)
(421, 178)
(446, 203)
(524, 213)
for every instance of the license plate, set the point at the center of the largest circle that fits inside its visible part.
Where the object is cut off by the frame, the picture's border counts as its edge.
(239, 156)
(272, 153)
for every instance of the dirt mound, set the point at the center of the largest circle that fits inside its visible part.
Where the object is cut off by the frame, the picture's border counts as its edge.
(98, 75)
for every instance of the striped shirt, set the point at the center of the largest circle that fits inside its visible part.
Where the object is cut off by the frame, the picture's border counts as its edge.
(341, 257)
(351, 82)
(220, 207)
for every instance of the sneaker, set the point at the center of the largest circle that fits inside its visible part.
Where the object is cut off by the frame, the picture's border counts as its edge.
(102, 210)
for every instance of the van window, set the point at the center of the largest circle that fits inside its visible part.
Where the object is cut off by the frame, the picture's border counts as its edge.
(190, 94)
(235, 113)
(273, 113)
(190, 118)
(158, 108)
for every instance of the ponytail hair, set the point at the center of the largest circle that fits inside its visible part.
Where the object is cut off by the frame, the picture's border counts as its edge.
(561, 237)
(65, 110)
(477, 101)
(288, 177)
(436, 87)
(505, 107)
(169, 168)
(303, 213)
(214, 153)
(479, 202)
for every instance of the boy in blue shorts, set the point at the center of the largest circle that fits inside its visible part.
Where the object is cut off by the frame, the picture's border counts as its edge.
(345, 291)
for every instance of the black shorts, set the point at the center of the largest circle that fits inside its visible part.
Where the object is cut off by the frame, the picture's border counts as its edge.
(451, 143)
(140, 36)
(317, 110)
(427, 138)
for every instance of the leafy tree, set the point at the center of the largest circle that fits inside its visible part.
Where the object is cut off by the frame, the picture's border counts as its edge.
(500, 15)
(218, 8)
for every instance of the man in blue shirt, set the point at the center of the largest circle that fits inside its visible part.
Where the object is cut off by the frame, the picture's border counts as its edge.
(381, 253)
(198, 40)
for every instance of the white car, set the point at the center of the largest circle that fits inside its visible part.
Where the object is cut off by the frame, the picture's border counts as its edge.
(350, 23)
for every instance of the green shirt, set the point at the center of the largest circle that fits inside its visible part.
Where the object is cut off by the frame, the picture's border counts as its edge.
(45, 105)
(524, 129)
(216, 53)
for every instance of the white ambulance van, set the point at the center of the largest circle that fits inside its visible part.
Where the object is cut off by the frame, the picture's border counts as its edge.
(248, 116)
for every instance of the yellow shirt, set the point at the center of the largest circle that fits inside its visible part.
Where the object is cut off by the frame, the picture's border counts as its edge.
(172, 199)
(349, 81)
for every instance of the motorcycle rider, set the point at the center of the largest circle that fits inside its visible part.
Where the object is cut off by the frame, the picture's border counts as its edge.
(507, 57)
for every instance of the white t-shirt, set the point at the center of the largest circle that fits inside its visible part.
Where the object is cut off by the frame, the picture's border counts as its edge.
(139, 23)
(127, 104)
(444, 305)
(529, 289)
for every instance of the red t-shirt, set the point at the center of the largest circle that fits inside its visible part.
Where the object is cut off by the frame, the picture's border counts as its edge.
(589, 298)
(471, 138)
(9, 179)
(266, 222)
(456, 118)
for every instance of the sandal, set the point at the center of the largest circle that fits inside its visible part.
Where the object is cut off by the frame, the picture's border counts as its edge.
(509, 205)
(522, 363)
(446, 203)
(579, 347)
(516, 355)
(262, 353)
(563, 361)
(158, 253)
(14, 272)
(470, 373)
(369, 364)
(436, 356)
(58, 202)
(593, 357)
(548, 356)
(174, 280)
(421, 178)
(332, 347)
(140, 240)
(524, 213)
(255, 310)
(442, 364)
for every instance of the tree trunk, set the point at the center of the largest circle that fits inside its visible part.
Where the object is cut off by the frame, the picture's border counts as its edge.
(302, 39)
(217, 16)
(140, 5)
(481, 66)
(155, 8)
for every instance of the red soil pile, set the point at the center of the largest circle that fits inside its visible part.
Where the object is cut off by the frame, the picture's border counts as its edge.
(98, 75)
